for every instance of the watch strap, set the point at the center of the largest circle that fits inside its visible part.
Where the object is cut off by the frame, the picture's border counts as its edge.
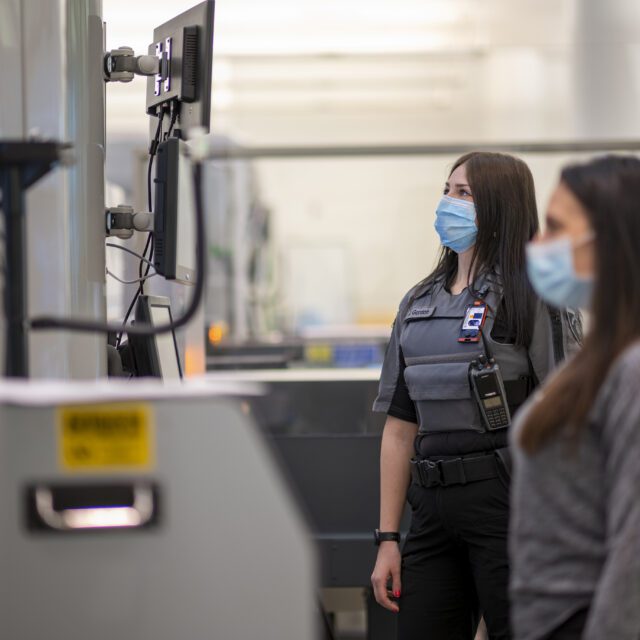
(386, 536)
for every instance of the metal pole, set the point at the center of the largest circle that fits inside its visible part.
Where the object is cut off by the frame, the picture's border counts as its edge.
(15, 277)
(364, 151)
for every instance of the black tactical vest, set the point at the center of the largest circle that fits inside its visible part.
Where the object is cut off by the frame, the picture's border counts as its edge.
(437, 365)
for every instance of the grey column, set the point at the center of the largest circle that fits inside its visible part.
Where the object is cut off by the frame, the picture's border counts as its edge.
(64, 99)
(606, 68)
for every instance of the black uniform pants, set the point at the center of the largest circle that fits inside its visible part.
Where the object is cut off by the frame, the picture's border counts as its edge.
(455, 563)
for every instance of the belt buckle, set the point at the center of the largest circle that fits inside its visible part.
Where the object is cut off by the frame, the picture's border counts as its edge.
(433, 474)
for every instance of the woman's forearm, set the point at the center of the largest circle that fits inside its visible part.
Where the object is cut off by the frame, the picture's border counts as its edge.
(396, 452)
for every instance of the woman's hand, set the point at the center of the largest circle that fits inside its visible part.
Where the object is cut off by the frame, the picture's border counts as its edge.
(387, 566)
(395, 454)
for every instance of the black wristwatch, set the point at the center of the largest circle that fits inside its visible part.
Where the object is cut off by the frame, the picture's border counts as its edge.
(385, 536)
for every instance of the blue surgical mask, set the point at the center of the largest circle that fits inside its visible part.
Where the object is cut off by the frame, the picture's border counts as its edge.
(456, 223)
(553, 276)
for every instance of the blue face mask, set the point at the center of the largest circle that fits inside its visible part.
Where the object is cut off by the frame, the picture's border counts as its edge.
(552, 274)
(456, 224)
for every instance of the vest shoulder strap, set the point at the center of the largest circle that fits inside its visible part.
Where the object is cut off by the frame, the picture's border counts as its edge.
(557, 338)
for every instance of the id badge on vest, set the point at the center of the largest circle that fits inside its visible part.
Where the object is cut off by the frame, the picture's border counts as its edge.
(473, 322)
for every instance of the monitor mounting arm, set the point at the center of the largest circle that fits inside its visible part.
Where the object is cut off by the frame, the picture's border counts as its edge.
(122, 221)
(120, 65)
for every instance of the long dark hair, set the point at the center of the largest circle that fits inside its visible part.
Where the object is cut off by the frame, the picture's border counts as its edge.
(504, 198)
(609, 190)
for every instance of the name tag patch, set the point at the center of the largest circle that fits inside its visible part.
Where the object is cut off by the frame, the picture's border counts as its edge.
(418, 313)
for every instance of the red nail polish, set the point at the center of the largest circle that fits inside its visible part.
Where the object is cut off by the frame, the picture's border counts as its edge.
(396, 594)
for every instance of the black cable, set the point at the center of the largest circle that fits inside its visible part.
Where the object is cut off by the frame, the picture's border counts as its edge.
(175, 108)
(3, 253)
(149, 246)
(140, 290)
(127, 250)
(48, 322)
(150, 240)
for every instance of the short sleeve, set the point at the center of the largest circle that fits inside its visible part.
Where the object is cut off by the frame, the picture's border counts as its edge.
(557, 334)
(402, 406)
(392, 367)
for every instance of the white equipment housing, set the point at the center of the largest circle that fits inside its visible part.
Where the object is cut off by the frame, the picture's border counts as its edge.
(230, 557)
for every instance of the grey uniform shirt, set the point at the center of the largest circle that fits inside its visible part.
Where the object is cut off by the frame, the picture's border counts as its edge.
(575, 521)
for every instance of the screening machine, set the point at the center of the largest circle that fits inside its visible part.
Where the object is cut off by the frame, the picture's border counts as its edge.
(148, 512)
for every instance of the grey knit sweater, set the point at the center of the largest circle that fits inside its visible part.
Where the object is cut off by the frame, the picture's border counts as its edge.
(575, 522)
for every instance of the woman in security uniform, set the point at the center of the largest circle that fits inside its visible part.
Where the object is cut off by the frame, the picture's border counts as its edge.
(471, 335)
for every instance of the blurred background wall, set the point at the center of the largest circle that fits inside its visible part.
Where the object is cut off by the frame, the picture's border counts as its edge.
(349, 236)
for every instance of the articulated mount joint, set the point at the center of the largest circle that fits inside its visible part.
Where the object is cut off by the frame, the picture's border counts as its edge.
(122, 221)
(120, 65)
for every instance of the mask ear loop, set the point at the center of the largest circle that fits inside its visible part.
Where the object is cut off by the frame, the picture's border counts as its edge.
(588, 237)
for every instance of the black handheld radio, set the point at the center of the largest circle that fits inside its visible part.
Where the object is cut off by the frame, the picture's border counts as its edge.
(486, 381)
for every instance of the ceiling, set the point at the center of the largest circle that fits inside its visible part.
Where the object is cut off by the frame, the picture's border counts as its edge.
(296, 71)
(302, 58)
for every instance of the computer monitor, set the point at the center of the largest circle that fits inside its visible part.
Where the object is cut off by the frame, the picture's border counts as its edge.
(174, 255)
(157, 355)
(184, 45)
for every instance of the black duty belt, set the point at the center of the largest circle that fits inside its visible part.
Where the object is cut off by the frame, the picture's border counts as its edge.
(445, 472)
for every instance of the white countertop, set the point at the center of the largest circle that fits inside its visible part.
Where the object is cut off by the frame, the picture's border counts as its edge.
(38, 392)
(296, 375)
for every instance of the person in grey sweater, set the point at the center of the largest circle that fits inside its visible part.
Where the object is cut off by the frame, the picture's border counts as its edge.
(575, 520)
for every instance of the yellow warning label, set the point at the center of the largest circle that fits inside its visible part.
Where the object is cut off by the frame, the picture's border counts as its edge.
(106, 437)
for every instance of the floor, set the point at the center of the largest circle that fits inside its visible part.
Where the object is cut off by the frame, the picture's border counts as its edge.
(346, 609)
